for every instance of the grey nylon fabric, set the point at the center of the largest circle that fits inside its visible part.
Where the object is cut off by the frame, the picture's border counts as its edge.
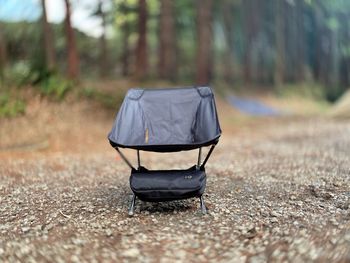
(179, 116)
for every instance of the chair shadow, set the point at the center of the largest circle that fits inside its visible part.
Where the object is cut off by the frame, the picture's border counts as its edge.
(111, 200)
(165, 207)
(118, 198)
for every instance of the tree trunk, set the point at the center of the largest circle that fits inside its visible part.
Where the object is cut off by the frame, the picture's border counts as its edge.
(125, 28)
(252, 25)
(300, 41)
(204, 42)
(344, 68)
(280, 45)
(48, 41)
(141, 48)
(318, 56)
(73, 59)
(229, 59)
(334, 59)
(3, 52)
(103, 42)
(167, 40)
(126, 51)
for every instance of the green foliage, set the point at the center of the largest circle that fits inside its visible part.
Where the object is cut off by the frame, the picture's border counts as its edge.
(22, 73)
(11, 107)
(49, 84)
(334, 93)
(55, 87)
(310, 90)
(185, 20)
(332, 23)
(106, 99)
(19, 74)
(126, 12)
(24, 41)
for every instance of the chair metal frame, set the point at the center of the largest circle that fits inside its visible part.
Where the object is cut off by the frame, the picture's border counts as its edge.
(200, 166)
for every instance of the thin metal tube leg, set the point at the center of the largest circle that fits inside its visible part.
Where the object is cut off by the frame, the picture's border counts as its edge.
(132, 205)
(138, 160)
(125, 159)
(203, 208)
(208, 155)
(199, 158)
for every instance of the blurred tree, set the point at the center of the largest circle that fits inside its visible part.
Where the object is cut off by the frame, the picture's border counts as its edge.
(126, 20)
(318, 38)
(141, 67)
(265, 43)
(252, 27)
(48, 40)
(103, 55)
(186, 45)
(126, 49)
(327, 15)
(300, 37)
(227, 11)
(167, 41)
(3, 51)
(345, 51)
(280, 44)
(204, 42)
(73, 59)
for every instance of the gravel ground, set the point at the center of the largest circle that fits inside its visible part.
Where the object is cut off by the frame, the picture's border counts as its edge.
(275, 192)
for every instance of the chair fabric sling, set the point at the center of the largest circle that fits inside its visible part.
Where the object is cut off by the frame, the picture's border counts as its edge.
(166, 120)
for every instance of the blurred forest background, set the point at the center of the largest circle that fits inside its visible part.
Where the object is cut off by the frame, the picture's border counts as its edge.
(248, 46)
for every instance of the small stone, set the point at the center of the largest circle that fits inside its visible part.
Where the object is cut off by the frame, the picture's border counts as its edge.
(343, 205)
(257, 259)
(95, 225)
(131, 253)
(337, 184)
(78, 242)
(25, 229)
(328, 195)
(37, 228)
(181, 254)
(109, 232)
(299, 203)
(75, 258)
(25, 250)
(274, 220)
(251, 233)
(274, 214)
(334, 222)
(49, 227)
(333, 241)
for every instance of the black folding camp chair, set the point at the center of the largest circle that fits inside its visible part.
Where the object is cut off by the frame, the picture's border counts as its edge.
(167, 120)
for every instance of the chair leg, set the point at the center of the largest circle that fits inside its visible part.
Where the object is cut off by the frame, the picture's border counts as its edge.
(203, 208)
(132, 205)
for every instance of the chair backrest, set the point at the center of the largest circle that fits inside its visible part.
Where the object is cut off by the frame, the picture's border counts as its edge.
(152, 119)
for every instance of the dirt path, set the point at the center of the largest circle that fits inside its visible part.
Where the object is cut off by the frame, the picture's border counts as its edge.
(277, 191)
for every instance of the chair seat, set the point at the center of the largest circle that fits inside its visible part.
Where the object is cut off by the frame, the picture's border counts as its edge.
(167, 185)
